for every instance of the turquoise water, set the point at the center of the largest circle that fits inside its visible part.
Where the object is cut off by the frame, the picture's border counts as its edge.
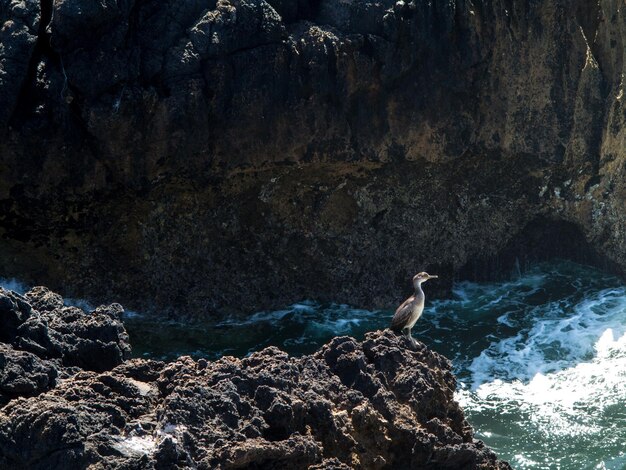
(540, 360)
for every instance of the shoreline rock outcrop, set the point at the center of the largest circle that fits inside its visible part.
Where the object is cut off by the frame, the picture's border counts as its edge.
(171, 154)
(369, 404)
(42, 341)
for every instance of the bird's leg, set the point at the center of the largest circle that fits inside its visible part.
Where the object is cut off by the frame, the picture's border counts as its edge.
(407, 333)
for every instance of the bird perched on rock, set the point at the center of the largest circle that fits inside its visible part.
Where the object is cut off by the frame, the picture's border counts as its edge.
(411, 309)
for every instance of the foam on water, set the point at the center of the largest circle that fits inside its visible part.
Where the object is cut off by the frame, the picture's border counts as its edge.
(557, 415)
(551, 394)
(560, 335)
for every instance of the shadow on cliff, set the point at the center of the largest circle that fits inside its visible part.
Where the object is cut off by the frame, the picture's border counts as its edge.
(542, 239)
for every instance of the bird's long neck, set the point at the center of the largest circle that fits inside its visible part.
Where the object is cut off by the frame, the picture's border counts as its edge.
(419, 293)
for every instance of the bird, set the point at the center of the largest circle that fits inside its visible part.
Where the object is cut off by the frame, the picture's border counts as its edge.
(411, 309)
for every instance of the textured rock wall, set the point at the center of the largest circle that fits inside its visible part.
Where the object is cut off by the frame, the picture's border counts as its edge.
(244, 154)
(66, 402)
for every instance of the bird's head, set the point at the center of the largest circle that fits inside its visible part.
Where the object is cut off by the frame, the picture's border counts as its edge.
(422, 277)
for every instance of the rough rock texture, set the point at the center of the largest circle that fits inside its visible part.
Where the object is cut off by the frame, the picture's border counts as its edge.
(244, 154)
(377, 404)
(23, 374)
(19, 28)
(42, 340)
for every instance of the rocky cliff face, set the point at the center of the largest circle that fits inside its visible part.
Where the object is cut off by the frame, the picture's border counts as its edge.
(243, 154)
(69, 400)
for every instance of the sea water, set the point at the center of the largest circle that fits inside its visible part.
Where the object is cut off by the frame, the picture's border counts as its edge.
(540, 360)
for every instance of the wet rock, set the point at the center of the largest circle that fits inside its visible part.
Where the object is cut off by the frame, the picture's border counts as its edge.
(371, 404)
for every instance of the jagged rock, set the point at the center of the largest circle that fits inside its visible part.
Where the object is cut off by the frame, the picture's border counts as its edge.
(93, 341)
(43, 299)
(23, 374)
(71, 423)
(41, 339)
(371, 404)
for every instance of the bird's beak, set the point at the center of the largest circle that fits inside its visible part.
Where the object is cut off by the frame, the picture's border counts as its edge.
(434, 276)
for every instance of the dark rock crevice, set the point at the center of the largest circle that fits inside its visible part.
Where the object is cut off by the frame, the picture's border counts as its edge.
(25, 99)
(293, 11)
(542, 239)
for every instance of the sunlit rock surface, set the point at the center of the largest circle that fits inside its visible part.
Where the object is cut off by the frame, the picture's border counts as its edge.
(371, 404)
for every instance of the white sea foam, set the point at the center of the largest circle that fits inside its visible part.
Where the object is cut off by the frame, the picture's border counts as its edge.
(575, 404)
(556, 384)
(560, 336)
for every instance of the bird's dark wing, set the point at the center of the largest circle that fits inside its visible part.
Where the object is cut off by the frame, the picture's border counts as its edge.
(403, 314)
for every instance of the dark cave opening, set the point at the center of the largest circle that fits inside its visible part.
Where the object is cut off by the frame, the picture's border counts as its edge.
(542, 239)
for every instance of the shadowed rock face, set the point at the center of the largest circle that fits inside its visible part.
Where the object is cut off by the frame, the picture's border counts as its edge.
(375, 404)
(199, 157)
(42, 340)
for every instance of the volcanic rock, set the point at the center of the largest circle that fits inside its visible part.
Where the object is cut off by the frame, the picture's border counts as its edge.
(371, 404)
(94, 341)
(23, 374)
(42, 340)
